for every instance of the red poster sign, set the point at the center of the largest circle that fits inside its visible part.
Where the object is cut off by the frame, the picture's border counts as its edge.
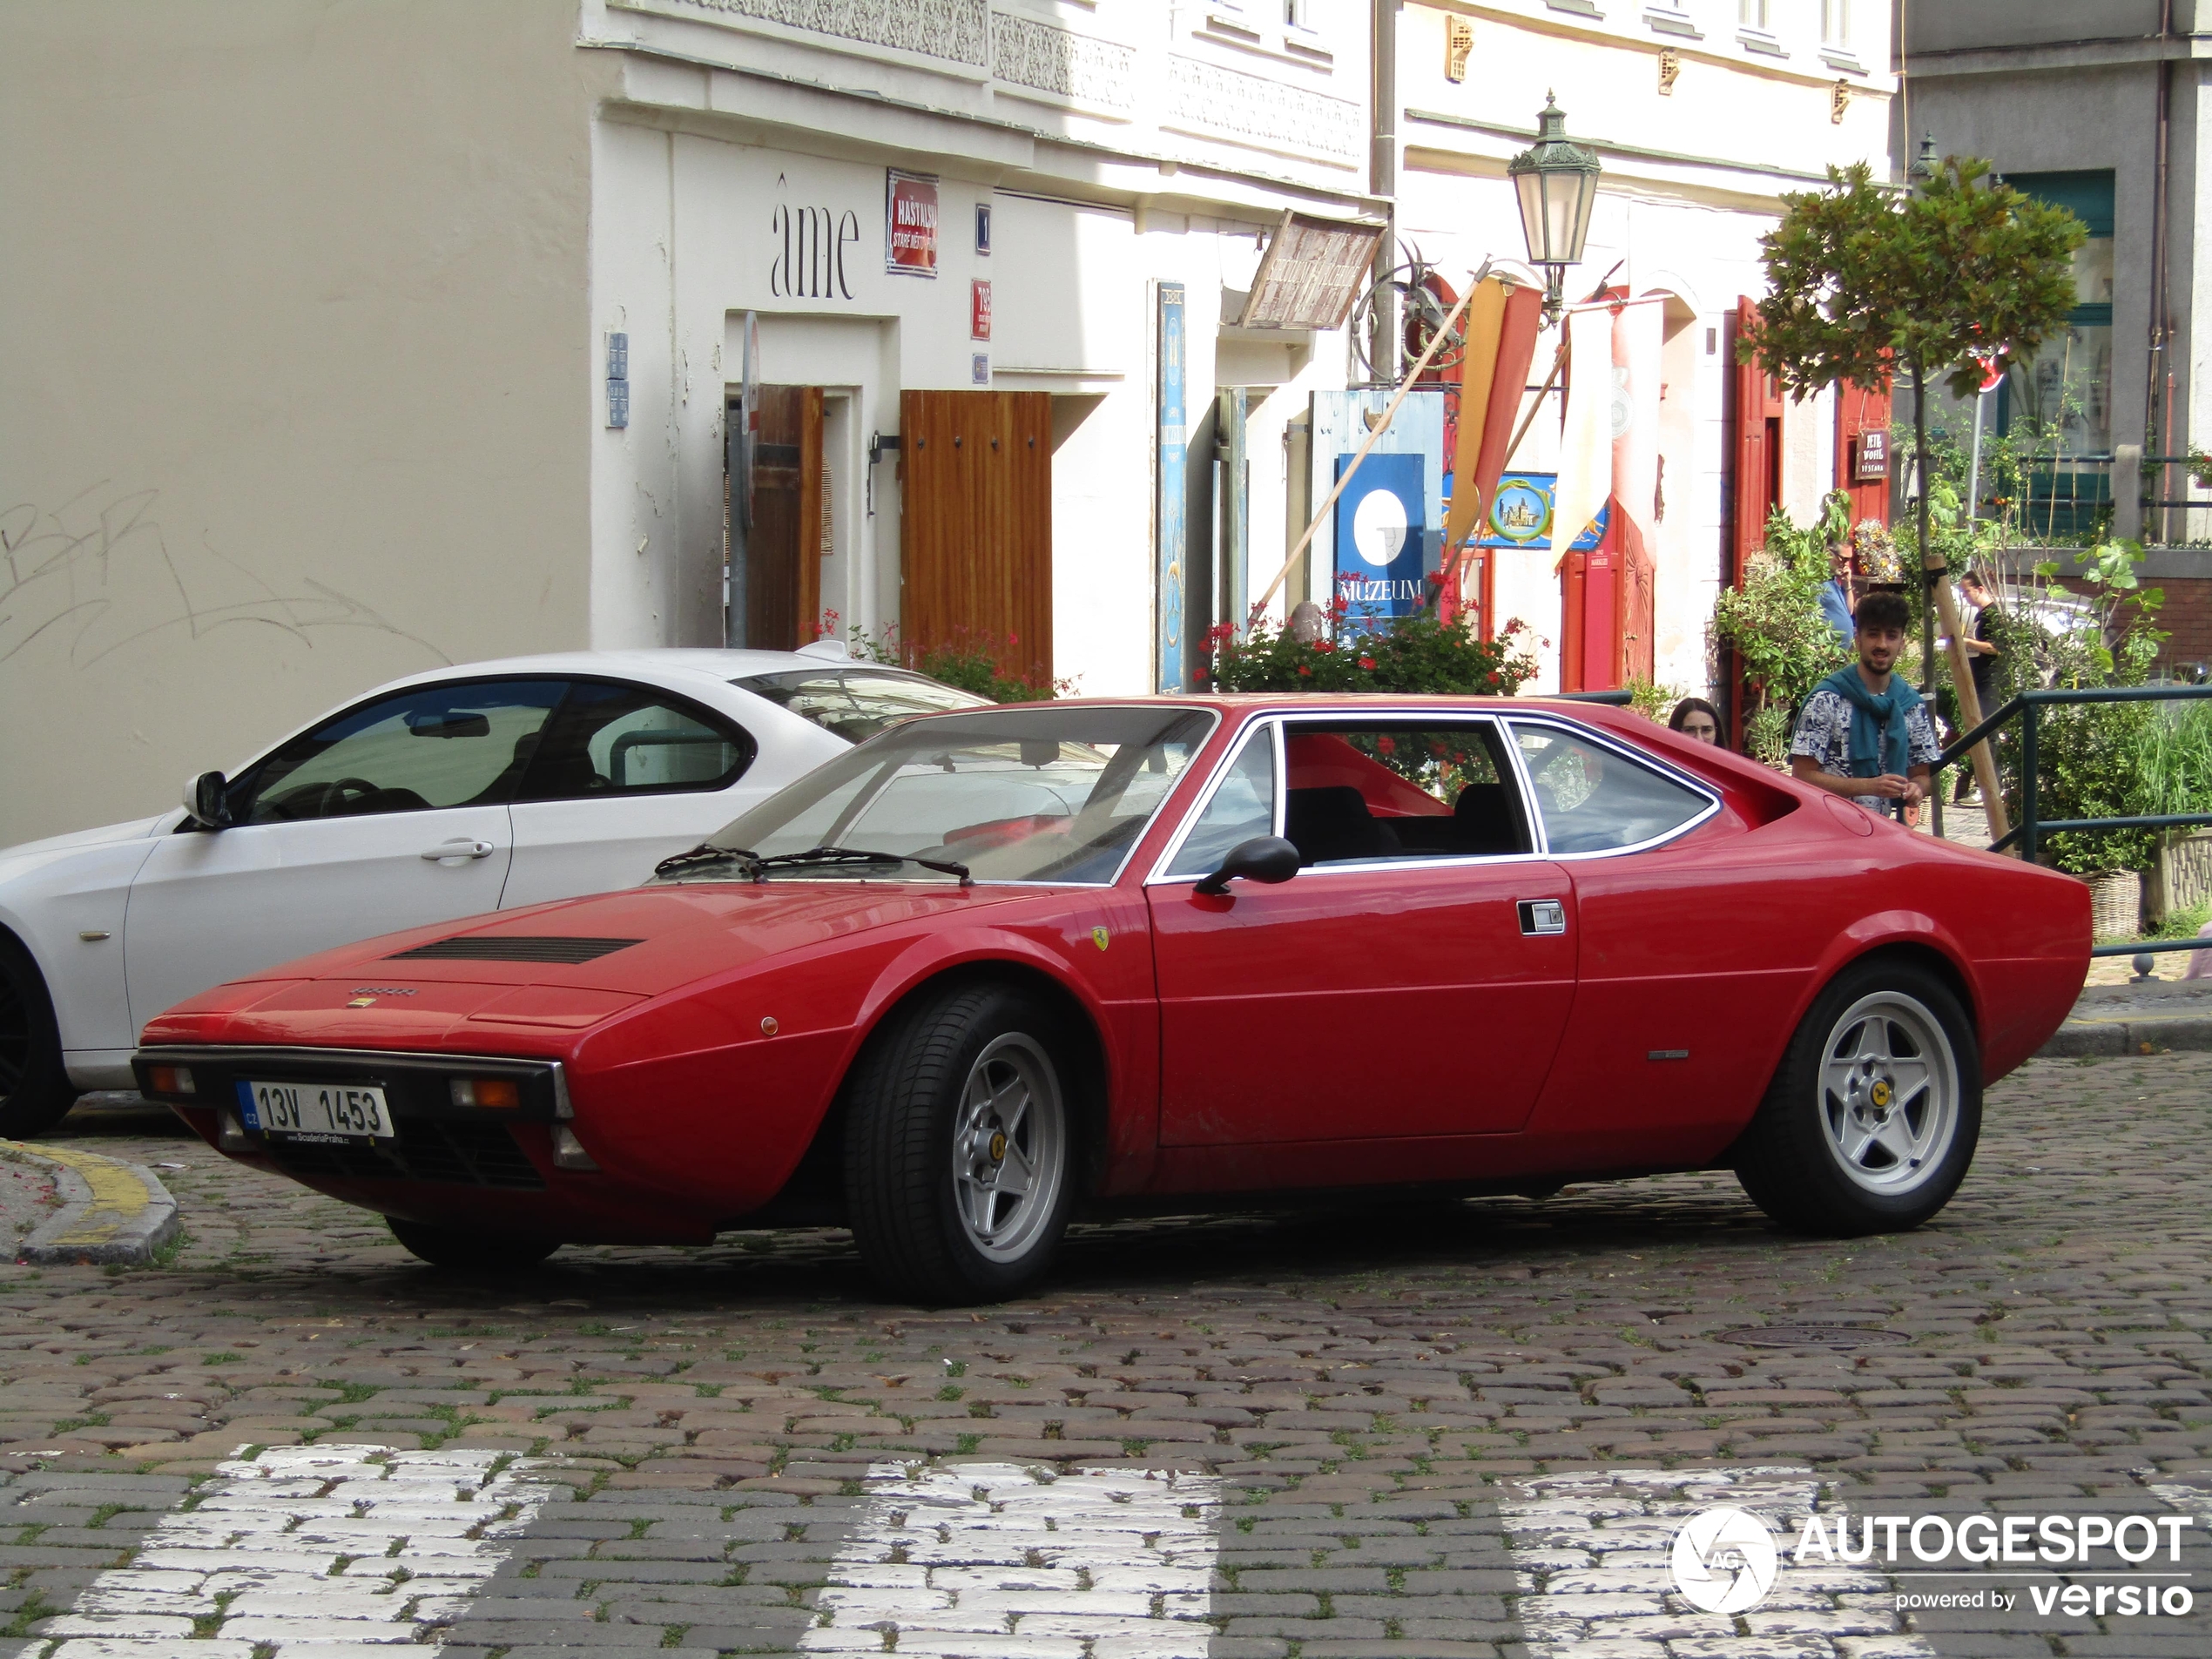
(910, 223)
(979, 309)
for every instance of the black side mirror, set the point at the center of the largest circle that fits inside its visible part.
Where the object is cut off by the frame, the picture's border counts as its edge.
(1264, 858)
(205, 799)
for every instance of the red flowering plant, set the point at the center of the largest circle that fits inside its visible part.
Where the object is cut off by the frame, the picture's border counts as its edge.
(1401, 654)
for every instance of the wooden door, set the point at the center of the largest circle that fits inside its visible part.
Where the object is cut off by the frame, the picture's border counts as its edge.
(785, 548)
(975, 526)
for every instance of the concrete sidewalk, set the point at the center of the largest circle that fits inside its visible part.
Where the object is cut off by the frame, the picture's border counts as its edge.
(2151, 1017)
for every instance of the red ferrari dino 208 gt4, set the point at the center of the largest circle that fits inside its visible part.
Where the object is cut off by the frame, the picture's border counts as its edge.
(993, 967)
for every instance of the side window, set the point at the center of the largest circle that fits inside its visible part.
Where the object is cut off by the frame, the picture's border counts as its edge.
(1593, 799)
(437, 745)
(1242, 807)
(1360, 791)
(627, 739)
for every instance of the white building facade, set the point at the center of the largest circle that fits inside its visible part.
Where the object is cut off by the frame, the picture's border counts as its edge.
(414, 333)
(1704, 113)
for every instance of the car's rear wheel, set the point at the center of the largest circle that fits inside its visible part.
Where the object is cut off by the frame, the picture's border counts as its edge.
(959, 1147)
(1871, 1119)
(35, 1090)
(462, 1251)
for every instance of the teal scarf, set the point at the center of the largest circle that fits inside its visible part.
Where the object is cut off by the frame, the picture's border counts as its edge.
(1878, 743)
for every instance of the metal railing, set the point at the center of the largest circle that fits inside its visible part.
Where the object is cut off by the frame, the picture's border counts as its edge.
(2078, 495)
(2031, 829)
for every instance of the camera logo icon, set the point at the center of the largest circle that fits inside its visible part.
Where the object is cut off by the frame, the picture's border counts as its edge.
(1723, 1560)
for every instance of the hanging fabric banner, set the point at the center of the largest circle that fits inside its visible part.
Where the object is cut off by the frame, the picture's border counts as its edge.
(1496, 361)
(1586, 433)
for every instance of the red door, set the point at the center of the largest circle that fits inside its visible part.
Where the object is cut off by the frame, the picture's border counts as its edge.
(1754, 423)
(1590, 608)
(1358, 1003)
(1400, 985)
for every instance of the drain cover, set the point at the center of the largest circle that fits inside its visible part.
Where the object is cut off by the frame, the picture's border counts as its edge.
(1812, 1336)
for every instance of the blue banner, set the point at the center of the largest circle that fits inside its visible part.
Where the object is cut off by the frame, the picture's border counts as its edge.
(1169, 584)
(1381, 536)
(1521, 515)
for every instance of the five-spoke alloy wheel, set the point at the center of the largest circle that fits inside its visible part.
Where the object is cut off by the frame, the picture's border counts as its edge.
(959, 1145)
(1872, 1117)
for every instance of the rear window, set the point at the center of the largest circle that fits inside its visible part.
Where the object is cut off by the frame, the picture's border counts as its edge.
(1594, 799)
(857, 703)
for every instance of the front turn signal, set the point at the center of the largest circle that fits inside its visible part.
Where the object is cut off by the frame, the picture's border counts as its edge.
(171, 1080)
(497, 1094)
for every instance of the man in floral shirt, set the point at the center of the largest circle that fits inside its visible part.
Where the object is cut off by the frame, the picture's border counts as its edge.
(1863, 733)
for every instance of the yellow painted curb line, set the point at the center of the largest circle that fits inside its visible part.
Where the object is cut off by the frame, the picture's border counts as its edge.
(113, 1211)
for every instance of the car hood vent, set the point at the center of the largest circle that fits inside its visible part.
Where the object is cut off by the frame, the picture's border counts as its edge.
(514, 948)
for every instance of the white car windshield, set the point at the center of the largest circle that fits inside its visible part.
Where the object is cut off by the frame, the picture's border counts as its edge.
(1024, 795)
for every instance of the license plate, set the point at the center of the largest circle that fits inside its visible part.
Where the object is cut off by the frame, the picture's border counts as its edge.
(339, 1113)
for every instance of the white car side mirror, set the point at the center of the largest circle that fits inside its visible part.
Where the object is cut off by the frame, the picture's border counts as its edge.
(203, 799)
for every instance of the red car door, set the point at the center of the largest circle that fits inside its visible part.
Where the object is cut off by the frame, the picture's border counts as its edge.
(1412, 980)
(1697, 940)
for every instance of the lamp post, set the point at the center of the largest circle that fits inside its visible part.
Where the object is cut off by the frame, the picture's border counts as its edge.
(1556, 180)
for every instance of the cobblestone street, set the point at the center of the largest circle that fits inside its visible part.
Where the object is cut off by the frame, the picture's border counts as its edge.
(1380, 1429)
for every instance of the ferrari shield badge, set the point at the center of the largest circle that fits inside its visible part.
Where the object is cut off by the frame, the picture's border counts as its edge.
(1098, 937)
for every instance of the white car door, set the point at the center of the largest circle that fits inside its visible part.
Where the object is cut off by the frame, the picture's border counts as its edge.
(393, 814)
(627, 774)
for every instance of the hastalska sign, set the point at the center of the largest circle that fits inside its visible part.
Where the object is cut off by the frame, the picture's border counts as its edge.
(910, 223)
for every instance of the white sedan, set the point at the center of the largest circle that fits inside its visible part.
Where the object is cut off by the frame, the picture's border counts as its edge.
(446, 794)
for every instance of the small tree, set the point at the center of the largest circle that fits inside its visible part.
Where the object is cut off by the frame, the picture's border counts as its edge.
(1863, 281)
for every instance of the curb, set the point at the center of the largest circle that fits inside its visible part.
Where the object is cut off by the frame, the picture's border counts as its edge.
(2079, 1038)
(112, 1212)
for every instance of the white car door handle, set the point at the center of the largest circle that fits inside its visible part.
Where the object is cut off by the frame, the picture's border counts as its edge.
(463, 848)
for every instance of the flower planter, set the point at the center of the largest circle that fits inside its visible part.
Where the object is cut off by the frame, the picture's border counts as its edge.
(2116, 905)
(2181, 879)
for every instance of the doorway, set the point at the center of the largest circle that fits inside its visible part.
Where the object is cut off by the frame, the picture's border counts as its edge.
(781, 565)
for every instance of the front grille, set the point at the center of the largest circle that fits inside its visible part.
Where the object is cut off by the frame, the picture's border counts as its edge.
(514, 948)
(460, 1154)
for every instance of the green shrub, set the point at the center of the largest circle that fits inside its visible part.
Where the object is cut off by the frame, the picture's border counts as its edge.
(969, 662)
(1772, 617)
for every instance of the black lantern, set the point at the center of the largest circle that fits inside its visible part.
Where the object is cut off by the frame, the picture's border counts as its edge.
(1557, 183)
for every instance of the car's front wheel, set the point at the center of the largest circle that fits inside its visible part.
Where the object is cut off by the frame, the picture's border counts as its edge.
(959, 1147)
(462, 1251)
(1872, 1117)
(35, 1090)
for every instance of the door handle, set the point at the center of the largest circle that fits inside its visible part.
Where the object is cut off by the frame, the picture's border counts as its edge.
(1542, 916)
(463, 848)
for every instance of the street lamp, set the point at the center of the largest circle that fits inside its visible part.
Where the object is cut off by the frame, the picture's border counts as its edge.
(1557, 183)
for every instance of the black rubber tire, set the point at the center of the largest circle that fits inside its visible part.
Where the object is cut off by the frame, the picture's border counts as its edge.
(458, 1250)
(1785, 1160)
(35, 1090)
(901, 1104)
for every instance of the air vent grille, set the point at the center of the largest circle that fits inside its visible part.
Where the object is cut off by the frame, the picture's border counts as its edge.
(514, 948)
(459, 1154)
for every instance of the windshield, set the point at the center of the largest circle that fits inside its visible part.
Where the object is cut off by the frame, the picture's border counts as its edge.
(1028, 794)
(857, 703)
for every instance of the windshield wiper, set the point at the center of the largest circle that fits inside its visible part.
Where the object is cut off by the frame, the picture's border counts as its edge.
(857, 855)
(706, 853)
